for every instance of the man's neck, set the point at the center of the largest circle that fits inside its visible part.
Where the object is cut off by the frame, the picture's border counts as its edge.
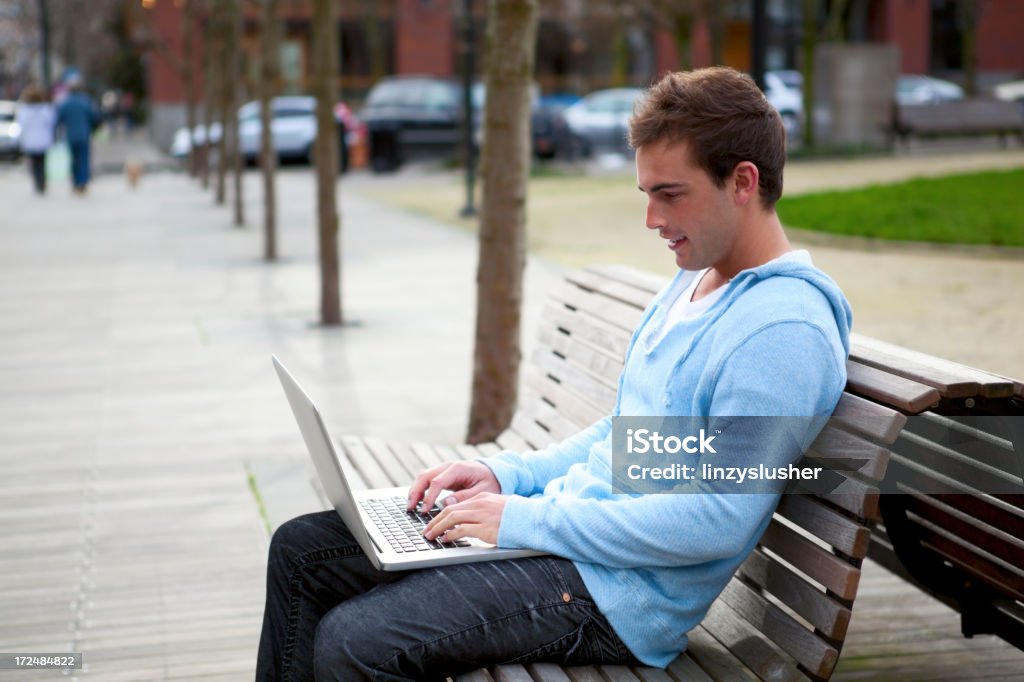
(762, 239)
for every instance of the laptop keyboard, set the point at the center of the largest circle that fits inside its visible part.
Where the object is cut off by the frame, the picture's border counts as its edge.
(404, 529)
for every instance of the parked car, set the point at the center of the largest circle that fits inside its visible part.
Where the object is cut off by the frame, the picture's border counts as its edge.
(917, 89)
(792, 78)
(293, 130)
(1012, 91)
(548, 127)
(10, 131)
(787, 100)
(600, 120)
(412, 116)
(409, 117)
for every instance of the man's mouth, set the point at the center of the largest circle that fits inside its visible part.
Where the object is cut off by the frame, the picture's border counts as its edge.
(673, 243)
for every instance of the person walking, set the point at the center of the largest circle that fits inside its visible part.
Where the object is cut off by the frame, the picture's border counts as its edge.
(36, 118)
(79, 117)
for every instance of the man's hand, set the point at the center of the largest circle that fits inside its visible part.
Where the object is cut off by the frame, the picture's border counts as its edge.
(478, 517)
(467, 479)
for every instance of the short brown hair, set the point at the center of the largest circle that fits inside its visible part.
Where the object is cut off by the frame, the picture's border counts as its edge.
(724, 118)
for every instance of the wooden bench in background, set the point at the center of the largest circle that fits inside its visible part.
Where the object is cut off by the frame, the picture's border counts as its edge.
(972, 116)
(785, 614)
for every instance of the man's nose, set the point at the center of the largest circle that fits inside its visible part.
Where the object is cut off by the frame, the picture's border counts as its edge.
(654, 221)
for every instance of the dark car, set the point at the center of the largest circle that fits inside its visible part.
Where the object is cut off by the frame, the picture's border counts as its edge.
(412, 116)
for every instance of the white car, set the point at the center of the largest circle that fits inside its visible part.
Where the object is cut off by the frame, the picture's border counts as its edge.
(10, 131)
(917, 89)
(1012, 91)
(292, 129)
(788, 101)
(601, 119)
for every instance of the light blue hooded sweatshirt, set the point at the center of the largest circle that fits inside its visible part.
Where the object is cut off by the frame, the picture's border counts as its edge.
(774, 344)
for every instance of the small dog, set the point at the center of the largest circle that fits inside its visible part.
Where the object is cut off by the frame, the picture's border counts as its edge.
(132, 173)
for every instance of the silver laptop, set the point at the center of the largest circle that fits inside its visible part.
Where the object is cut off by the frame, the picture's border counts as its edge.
(390, 536)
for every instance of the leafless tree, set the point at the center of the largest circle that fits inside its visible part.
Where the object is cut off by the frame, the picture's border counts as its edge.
(505, 165)
(188, 77)
(325, 156)
(270, 74)
(236, 85)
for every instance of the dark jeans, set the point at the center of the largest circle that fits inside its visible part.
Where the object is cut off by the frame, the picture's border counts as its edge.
(37, 166)
(330, 615)
(79, 164)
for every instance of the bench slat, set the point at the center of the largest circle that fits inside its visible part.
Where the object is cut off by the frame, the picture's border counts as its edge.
(821, 565)
(833, 443)
(510, 440)
(364, 462)
(597, 363)
(991, 509)
(992, 385)
(961, 526)
(870, 419)
(565, 401)
(924, 453)
(629, 275)
(903, 394)
(511, 673)
(981, 568)
(749, 645)
(994, 450)
(614, 289)
(612, 339)
(813, 653)
(713, 658)
(835, 528)
(685, 669)
(822, 611)
(393, 467)
(596, 392)
(621, 314)
(536, 436)
(547, 672)
(427, 455)
(557, 424)
(951, 382)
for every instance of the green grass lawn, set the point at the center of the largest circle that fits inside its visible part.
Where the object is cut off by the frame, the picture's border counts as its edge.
(978, 208)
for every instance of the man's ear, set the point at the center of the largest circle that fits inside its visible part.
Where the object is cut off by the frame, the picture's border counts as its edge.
(744, 184)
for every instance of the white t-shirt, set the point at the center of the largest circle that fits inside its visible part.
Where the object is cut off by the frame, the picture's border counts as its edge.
(682, 308)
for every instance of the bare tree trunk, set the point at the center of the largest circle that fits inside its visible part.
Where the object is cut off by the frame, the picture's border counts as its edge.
(208, 106)
(236, 78)
(511, 41)
(325, 153)
(221, 95)
(270, 73)
(188, 76)
(967, 11)
(807, 45)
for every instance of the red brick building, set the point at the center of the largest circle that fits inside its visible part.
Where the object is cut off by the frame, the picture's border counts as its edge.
(584, 44)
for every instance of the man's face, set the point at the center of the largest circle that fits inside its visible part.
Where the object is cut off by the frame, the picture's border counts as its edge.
(699, 220)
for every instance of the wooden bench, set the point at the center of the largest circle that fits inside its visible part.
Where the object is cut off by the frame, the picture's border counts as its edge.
(973, 116)
(785, 614)
(957, 532)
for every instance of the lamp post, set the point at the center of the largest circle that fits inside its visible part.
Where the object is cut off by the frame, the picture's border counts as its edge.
(467, 107)
(44, 33)
(758, 41)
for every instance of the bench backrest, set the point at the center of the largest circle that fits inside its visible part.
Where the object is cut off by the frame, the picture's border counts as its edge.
(977, 115)
(957, 531)
(785, 614)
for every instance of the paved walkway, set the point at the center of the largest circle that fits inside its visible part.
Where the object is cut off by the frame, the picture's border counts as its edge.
(137, 400)
(137, 396)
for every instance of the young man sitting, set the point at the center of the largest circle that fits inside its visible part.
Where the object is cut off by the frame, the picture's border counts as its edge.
(747, 327)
